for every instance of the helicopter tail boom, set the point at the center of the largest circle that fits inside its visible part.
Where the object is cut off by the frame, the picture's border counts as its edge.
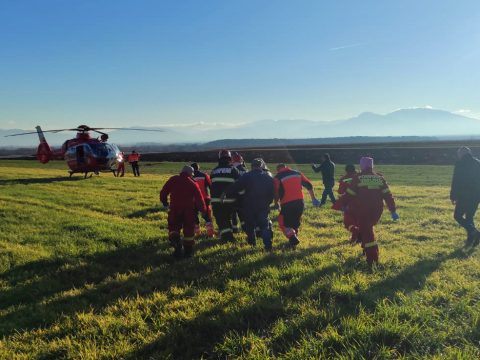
(44, 153)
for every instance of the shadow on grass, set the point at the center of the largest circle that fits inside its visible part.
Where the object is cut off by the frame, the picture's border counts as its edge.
(37, 292)
(32, 181)
(41, 292)
(182, 341)
(144, 212)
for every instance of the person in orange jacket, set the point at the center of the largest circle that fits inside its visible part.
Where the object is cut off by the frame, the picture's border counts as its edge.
(348, 218)
(204, 183)
(185, 198)
(364, 199)
(133, 159)
(288, 185)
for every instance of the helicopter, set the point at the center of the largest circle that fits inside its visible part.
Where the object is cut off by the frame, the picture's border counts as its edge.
(83, 154)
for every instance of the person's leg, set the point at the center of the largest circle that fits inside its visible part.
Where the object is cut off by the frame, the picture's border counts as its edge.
(369, 244)
(351, 225)
(324, 196)
(235, 227)
(283, 217)
(262, 221)
(463, 214)
(223, 216)
(188, 231)
(138, 169)
(250, 229)
(174, 227)
(330, 193)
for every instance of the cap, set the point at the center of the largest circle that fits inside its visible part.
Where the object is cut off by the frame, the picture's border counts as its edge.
(366, 163)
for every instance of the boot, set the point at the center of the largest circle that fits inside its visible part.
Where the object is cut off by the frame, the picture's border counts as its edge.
(293, 241)
(188, 248)
(177, 252)
(188, 251)
(471, 236)
(176, 242)
(210, 231)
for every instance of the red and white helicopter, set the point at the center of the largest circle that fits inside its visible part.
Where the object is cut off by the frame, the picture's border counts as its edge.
(83, 154)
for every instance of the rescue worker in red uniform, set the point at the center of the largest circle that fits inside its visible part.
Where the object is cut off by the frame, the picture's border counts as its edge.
(222, 177)
(185, 198)
(121, 165)
(364, 199)
(239, 164)
(348, 218)
(204, 183)
(133, 159)
(288, 185)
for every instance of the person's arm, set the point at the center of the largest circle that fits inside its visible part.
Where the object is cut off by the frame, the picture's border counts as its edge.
(454, 187)
(236, 188)
(208, 184)
(389, 200)
(271, 190)
(276, 189)
(307, 184)
(199, 201)
(165, 192)
(316, 167)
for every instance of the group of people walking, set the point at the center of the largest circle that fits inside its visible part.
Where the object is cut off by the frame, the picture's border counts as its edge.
(230, 191)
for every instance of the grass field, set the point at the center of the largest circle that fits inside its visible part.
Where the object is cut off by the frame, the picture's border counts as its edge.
(86, 273)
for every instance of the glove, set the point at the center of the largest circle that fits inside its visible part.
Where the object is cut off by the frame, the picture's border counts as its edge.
(315, 203)
(395, 216)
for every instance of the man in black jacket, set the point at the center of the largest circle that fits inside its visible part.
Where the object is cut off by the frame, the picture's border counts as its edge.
(327, 168)
(465, 193)
(257, 186)
(222, 177)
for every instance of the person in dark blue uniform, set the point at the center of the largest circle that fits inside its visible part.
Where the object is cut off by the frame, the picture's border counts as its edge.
(327, 168)
(258, 190)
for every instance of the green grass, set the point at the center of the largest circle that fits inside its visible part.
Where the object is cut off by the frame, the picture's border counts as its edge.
(86, 273)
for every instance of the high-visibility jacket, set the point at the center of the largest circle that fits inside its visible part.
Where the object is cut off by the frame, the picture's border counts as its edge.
(133, 157)
(345, 180)
(184, 193)
(204, 183)
(222, 177)
(365, 195)
(288, 185)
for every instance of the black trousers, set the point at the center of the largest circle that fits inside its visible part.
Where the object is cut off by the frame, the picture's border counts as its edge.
(223, 216)
(135, 168)
(328, 191)
(291, 214)
(465, 212)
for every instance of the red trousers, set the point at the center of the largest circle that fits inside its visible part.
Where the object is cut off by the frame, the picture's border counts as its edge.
(360, 223)
(178, 220)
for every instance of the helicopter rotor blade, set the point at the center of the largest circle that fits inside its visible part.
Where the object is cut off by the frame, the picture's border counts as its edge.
(129, 129)
(84, 128)
(45, 131)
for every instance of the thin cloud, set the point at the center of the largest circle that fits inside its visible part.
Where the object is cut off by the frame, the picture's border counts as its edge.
(346, 46)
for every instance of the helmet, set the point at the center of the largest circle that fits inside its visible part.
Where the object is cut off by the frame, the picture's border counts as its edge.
(237, 158)
(224, 153)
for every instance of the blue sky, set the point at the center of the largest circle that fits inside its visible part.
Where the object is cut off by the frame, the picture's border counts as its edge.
(123, 63)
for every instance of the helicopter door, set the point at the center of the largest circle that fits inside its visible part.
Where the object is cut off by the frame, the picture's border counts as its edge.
(80, 152)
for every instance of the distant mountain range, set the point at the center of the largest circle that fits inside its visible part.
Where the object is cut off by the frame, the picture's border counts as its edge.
(405, 122)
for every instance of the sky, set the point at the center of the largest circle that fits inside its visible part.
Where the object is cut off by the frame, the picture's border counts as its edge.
(132, 63)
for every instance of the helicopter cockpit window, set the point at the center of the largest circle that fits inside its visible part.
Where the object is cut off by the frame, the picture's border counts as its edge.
(100, 149)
